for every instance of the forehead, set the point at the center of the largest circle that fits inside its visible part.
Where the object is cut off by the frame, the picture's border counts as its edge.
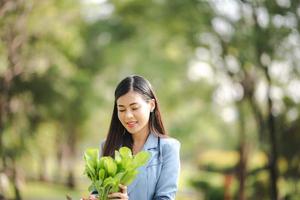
(130, 97)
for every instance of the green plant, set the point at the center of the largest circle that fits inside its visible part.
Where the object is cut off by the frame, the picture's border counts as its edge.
(106, 173)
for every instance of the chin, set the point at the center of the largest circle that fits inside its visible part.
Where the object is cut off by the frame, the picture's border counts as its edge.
(133, 132)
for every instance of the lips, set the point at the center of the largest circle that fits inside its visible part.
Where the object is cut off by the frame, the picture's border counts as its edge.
(131, 124)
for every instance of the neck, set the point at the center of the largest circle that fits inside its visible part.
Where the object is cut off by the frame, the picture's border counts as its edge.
(139, 140)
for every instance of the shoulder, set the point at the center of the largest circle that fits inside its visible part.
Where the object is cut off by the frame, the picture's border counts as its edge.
(169, 141)
(170, 144)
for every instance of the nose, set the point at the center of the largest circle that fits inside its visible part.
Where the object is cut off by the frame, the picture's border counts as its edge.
(128, 114)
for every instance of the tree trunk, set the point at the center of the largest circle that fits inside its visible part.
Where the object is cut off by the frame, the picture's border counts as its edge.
(4, 110)
(61, 155)
(13, 38)
(1, 129)
(43, 169)
(272, 138)
(15, 181)
(241, 170)
(227, 184)
(271, 130)
(71, 179)
(273, 152)
(272, 135)
(71, 158)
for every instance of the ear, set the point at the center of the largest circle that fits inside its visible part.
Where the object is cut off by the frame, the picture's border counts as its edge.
(152, 104)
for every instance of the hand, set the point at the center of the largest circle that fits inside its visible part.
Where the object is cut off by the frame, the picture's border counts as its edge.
(122, 195)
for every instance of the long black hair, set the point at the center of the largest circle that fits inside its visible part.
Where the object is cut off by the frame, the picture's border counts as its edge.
(117, 134)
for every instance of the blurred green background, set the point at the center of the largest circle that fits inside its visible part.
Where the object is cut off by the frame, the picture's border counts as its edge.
(226, 73)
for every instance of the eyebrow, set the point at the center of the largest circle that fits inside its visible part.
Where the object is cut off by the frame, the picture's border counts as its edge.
(129, 104)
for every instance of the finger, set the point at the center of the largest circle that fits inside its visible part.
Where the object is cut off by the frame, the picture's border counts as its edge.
(115, 198)
(114, 195)
(92, 197)
(117, 195)
(123, 188)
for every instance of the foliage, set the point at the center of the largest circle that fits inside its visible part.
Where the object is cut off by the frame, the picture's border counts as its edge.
(107, 173)
(207, 60)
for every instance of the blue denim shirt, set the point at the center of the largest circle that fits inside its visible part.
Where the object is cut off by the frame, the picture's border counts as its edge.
(158, 179)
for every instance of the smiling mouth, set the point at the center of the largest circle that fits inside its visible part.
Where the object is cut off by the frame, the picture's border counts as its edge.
(131, 124)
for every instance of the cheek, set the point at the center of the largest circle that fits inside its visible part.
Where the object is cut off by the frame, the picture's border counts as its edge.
(145, 113)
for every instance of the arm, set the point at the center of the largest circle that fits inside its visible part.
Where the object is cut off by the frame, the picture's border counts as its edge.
(167, 184)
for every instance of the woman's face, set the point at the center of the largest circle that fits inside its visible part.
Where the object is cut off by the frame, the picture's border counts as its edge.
(134, 112)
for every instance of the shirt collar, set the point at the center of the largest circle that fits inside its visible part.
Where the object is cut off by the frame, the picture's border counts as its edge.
(151, 142)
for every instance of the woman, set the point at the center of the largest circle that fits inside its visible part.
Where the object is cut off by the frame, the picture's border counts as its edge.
(136, 123)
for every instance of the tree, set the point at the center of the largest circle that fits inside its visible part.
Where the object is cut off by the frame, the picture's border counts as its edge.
(39, 73)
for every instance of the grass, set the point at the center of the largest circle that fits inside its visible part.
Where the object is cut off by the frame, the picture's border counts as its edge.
(49, 191)
(34, 190)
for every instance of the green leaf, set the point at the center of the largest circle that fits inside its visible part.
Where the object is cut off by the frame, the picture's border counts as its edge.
(108, 182)
(91, 154)
(118, 157)
(126, 163)
(119, 176)
(102, 174)
(110, 166)
(129, 177)
(101, 162)
(91, 188)
(98, 183)
(125, 152)
(141, 158)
